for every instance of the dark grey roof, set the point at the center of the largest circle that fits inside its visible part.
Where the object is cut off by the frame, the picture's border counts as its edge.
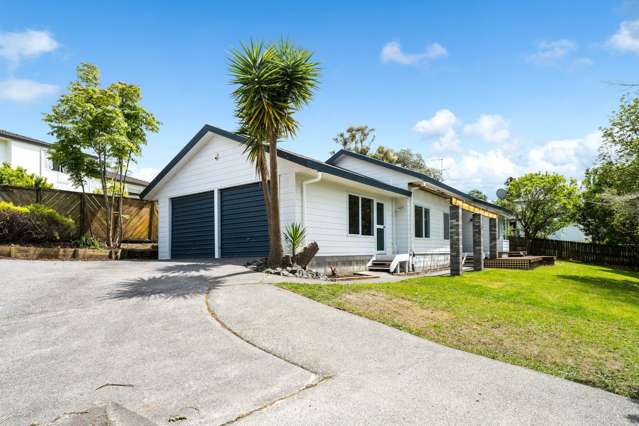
(287, 155)
(27, 139)
(413, 173)
(11, 135)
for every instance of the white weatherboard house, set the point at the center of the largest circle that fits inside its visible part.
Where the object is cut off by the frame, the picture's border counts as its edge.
(361, 212)
(33, 155)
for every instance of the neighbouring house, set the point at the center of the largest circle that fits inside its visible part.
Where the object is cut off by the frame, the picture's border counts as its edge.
(32, 154)
(568, 233)
(362, 212)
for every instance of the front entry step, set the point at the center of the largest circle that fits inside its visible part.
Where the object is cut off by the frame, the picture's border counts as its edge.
(390, 263)
(380, 265)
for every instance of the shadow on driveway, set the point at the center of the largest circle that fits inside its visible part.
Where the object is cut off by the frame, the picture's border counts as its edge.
(175, 281)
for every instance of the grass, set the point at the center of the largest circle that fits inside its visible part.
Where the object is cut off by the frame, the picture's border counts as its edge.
(576, 321)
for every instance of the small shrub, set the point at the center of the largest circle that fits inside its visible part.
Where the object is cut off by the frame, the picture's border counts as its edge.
(89, 241)
(21, 177)
(33, 223)
(294, 235)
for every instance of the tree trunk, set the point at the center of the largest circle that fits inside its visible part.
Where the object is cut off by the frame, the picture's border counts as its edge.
(107, 206)
(275, 234)
(120, 222)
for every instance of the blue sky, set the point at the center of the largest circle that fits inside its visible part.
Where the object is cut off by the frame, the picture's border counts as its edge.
(493, 88)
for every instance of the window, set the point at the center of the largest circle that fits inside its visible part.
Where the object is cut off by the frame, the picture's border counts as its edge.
(446, 226)
(353, 214)
(54, 166)
(422, 222)
(419, 222)
(367, 216)
(360, 215)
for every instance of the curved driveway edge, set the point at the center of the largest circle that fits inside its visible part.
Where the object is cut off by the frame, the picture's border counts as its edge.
(384, 376)
(77, 334)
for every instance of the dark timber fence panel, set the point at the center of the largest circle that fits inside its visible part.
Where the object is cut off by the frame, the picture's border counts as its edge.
(140, 217)
(584, 252)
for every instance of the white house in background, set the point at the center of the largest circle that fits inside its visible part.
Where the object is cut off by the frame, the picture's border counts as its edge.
(570, 233)
(32, 154)
(361, 212)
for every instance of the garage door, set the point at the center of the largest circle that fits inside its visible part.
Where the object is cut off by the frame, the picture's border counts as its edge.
(244, 228)
(193, 226)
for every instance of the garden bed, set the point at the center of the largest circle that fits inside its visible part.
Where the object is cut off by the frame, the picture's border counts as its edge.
(67, 252)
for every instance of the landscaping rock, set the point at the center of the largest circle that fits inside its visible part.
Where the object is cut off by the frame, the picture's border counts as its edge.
(291, 270)
(307, 254)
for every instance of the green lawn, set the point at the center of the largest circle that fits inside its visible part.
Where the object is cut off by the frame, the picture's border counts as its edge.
(579, 322)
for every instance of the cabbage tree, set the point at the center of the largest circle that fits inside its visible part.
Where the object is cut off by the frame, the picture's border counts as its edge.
(272, 82)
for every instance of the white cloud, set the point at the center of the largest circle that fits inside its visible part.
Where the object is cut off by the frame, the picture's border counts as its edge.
(22, 90)
(481, 170)
(551, 51)
(443, 121)
(488, 170)
(626, 39)
(15, 46)
(442, 124)
(557, 53)
(392, 52)
(569, 157)
(490, 127)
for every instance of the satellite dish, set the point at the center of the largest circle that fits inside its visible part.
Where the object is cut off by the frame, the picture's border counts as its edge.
(501, 193)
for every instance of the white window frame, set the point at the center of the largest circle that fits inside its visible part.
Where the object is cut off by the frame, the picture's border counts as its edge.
(348, 218)
(423, 222)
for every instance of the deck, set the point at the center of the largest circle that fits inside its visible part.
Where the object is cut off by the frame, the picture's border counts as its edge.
(519, 262)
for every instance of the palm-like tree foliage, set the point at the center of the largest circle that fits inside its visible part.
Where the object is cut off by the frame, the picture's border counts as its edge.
(295, 235)
(272, 82)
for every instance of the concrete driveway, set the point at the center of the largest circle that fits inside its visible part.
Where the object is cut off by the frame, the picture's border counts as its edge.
(214, 343)
(76, 334)
(375, 374)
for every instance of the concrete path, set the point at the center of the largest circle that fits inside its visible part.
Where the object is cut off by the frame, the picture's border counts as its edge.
(375, 374)
(76, 335)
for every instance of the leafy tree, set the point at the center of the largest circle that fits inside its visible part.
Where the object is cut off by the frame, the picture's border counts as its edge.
(273, 82)
(99, 129)
(476, 193)
(113, 188)
(406, 158)
(609, 211)
(19, 176)
(542, 203)
(360, 139)
(356, 138)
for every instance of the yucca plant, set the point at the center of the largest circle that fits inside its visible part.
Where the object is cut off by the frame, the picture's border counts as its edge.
(295, 235)
(273, 82)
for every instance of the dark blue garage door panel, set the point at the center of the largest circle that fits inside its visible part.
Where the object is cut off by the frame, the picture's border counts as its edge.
(193, 226)
(244, 228)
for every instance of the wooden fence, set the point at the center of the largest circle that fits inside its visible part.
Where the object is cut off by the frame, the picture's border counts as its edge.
(88, 212)
(583, 252)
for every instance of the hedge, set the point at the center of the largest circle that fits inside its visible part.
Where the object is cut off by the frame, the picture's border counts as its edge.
(33, 223)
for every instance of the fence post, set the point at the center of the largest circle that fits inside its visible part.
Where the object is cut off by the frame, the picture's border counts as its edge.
(38, 194)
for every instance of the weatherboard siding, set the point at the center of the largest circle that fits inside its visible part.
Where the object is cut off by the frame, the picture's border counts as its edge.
(437, 206)
(386, 175)
(327, 221)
